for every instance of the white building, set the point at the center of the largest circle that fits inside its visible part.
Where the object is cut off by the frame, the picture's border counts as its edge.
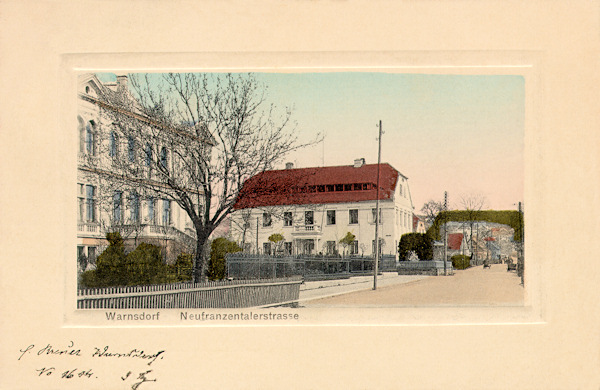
(314, 208)
(139, 214)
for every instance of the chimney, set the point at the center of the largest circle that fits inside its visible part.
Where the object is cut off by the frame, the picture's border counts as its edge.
(359, 162)
(289, 165)
(122, 82)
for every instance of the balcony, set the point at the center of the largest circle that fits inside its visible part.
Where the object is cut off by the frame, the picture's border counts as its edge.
(306, 230)
(88, 227)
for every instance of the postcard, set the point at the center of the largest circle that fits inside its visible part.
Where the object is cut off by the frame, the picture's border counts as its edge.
(280, 210)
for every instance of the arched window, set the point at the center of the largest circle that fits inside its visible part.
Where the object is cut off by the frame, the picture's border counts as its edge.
(90, 133)
(81, 131)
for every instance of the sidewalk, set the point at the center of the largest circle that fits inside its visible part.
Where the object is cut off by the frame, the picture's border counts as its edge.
(329, 288)
(475, 286)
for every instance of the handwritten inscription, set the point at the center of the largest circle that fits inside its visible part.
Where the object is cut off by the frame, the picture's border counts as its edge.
(71, 355)
(134, 353)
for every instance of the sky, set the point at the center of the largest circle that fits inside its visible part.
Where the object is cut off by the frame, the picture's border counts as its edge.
(463, 134)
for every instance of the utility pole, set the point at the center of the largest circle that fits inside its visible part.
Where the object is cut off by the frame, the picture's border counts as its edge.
(445, 232)
(522, 246)
(376, 270)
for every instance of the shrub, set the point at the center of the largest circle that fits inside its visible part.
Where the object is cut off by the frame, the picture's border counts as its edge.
(109, 265)
(420, 243)
(218, 249)
(88, 279)
(181, 270)
(460, 261)
(144, 266)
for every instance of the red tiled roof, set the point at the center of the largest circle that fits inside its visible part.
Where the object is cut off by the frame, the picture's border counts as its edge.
(317, 186)
(454, 241)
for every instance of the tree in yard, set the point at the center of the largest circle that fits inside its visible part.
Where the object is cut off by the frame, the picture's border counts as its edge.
(347, 240)
(277, 240)
(193, 139)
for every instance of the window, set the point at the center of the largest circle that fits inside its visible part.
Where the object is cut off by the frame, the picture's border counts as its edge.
(166, 217)
(80, 202)
(287, 248)
(267, 220)
(339, 187)
(90, 138)
(381, 245)
(131, 149)
(90, 194)
(92, 254)
(354, 248)
(331, 247)
(353, 217)
(117, 206)
(134, 205)
(151, 210)
(329, 188)
(81, 130)
(330, 217)
(374, 216)
(163, 158)
(113, 145)
(267, 248)
(148, 155)
(347, 187)
(287, 218)
(309, 217)
(80, 252)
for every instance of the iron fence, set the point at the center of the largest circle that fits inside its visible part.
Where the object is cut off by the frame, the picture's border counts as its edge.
(252, 266)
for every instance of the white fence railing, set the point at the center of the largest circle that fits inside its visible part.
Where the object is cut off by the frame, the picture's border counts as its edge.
(222, 294)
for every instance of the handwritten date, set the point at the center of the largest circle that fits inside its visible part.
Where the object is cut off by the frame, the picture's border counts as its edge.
(47, 371)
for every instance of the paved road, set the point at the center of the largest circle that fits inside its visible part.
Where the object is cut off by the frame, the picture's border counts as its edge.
(474, 286)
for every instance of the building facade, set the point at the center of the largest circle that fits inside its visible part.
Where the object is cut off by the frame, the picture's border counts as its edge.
(109, 201)
(313, 209)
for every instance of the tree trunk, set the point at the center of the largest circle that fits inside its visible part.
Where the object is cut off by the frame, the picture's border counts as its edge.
(201, 259)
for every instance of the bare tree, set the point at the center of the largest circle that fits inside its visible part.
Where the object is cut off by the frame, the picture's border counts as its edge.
(472, 205)
(431, 209)
(194, 139)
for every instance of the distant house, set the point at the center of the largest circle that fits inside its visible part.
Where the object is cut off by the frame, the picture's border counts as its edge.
(314, 208)
(419, 224)
(490, 240)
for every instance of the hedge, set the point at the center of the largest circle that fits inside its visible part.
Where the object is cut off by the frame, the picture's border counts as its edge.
(460, 261)
(421, 244)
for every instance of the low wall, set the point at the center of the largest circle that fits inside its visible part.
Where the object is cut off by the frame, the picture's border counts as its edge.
(223, 294)
(434, 267)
